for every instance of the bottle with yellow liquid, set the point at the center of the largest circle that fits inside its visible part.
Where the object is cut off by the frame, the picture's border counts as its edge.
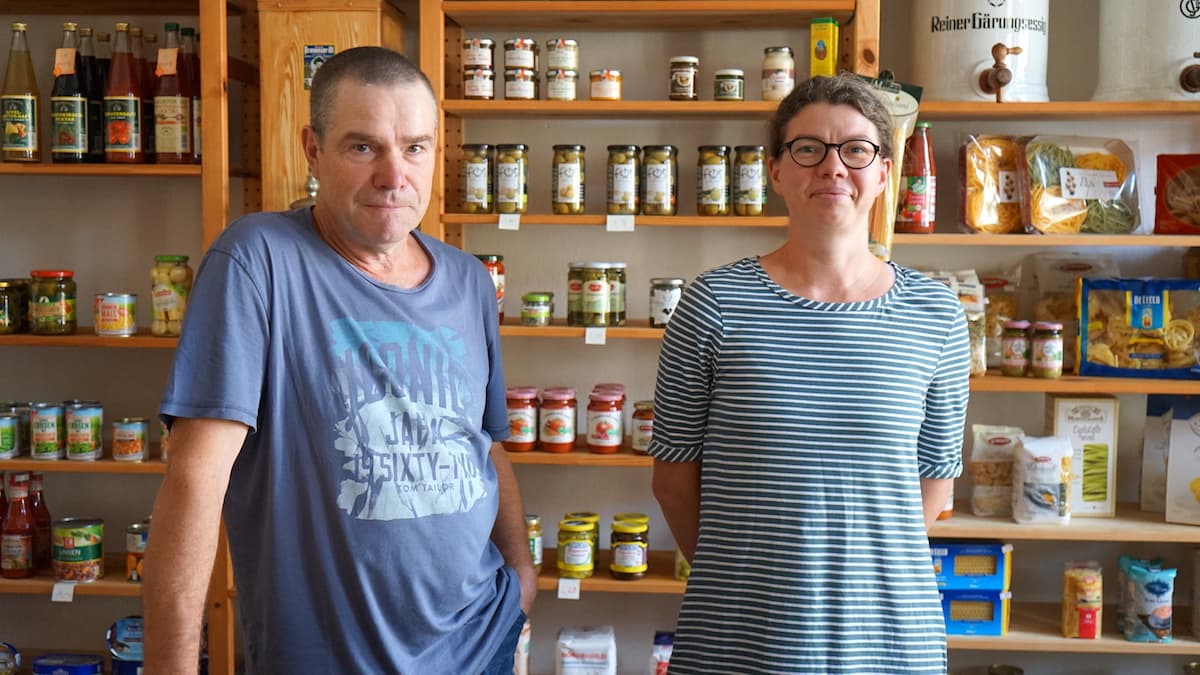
(19, 103)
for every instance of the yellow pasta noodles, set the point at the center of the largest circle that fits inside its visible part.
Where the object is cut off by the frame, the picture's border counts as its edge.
(990, 191)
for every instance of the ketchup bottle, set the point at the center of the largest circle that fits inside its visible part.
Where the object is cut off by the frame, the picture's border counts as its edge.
(918, 185)
(16, 538)
(41, 522)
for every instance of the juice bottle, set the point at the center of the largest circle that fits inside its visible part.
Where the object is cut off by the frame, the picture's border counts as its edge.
(68, 102)
(42, 543)
(172, 105)
(123, 104)
(16, 537)
(918, 185)
(191, 73)
(19, 103)
(139, 58)
(91, 77)
(149, 60)
(103, 56)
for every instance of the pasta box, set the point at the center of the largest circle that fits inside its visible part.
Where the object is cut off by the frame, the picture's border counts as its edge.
(1177, 195)
(1091, 424)
(976, 612)
(974, 565)
(1183, 463)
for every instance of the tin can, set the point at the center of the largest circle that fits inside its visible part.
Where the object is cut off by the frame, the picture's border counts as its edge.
(78, 549)
(10, 436)
(136, 536)
(47, 428)
(85, 424)
(21, 409)
(115, 314)
(68, 664)
(124, 638)
(10, 659)
(129, 439)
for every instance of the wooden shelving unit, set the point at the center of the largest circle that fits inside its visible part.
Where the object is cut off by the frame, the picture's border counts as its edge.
(85, 337)
(1130, 524)
(112, 584)
(1036, 627)
(660, 577)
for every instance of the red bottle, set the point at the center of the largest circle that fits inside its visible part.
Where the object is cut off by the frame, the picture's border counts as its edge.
(918, 185)
(16, 537)
(123, 104)
(41, 522)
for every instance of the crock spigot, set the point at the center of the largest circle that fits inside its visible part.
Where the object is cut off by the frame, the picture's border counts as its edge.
(1189, 77)
(994, 79)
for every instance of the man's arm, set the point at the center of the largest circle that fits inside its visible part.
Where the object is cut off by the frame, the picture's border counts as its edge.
(179, 557)
(509, 533)
(676, 486)
(935, 492)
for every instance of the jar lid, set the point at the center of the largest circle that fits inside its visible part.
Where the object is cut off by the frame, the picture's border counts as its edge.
(644, 405)
(606, 395)
(576, 265)
(748, 148)
(714, 148)
(507, 147)
(171, 258)
(1047, 325)
(1019, 324)
(586, 516)
(622, 148)
(666, 281)
(521, 392)
(490, 257)
(668, 148)
(596, 265)
(562, 74)
(631, 516)
(569, 146)
(617, 265)
(629, 527)
(685, 59)
(558, 394)
(533, 519)
(730, 72)
(52, 274)
(575, 525)
(776, 50)
(477, 147)
(610, 386)
(520, 73)
(558, 43)
(479, 42)
(515, 43)
(605, 72)
(538, 296)
(477, 73)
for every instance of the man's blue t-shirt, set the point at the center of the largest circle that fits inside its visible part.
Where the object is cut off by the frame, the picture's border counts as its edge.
(360, 508)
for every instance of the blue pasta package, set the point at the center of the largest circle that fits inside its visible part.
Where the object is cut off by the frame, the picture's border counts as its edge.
(1139, 328)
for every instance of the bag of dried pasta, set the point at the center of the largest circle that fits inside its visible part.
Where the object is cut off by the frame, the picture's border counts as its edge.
(1139, 328)
(990, 199)
(1054, 279)
(1073, 184)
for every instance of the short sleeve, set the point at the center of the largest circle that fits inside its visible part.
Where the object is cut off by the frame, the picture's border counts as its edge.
(939, 445)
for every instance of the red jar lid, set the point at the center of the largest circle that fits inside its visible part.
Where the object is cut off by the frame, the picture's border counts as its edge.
(521, 392)
(558, 394)
(52, 274)
(610, 386)
(1047, 325)
(605, 395)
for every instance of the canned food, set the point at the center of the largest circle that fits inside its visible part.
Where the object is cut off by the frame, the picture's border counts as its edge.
(22, 411)
(115, 314)
(85, 425)
(129, 439)
(478, 53)
(78, 544)
(68, 664)
(10, 659)
(479, 84)
(561, 84)
(136, 536)
(520, 84)
(10, 437)
(171, 284)
(47, 427)
(562, 54)
(124, 638)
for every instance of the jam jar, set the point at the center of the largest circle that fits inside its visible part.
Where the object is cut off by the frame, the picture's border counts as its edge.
(14, 306)
(479, 53)
(729, 84)
(749, 180)
(712, 180)
(605, 85)
(476, 177)
(520, 53)
(643, 427)
(561, 85)
(593, 520)
(1046, 349)
(479, 84)
(562, 54)
(604, 421)
(684, 71)
(522, 406)
(52, 302)
(520, 84)
(576, 555)
(568, 179)
(660, 179)
(512, 178)
(556, 420)
(630, 544)
(495, 267)
(1014, 349)
(624, 162)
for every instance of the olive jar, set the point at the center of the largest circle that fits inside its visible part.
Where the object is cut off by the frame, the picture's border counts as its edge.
(512, 178)
(624, 162)
(476, 177)
(660, 179)
(749, 180)
(567, 180)
(712, 181)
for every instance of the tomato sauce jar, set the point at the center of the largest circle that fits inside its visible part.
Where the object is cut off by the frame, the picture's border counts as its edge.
(556, 424)
(495, 267)
(604, 421)
(642, 427)
(522, 418)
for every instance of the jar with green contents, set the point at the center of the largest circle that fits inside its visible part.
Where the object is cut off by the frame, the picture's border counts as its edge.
(576, 557)
(512, 178)
(749, 180)
(593, 520)
(712, 181)
(616, 293)
(537, 308)
(1046, 350)
(624, 162)
(660, 180)
(52, 302)
(597, 296)
(567, 180)
(575, 293)
(476, 177)
(14, 306)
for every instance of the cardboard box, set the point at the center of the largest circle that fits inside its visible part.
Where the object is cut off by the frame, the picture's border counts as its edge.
(972, 565)
(1091, 424)
(976, 612)
(1155, 440)
(1183, 463)
(1174, 212)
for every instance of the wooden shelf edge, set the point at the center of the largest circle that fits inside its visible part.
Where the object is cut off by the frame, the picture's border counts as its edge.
(1074, 384)
(118, 170)
(151, 467)
(642, 14)
(112, 584)
(1131, 524)
(748, 110)
(85, 336)
(1036, 627)
(598, 220)
(637, 329)
(1042, 241)
(659, 580)
(580, 456)
(969, 110)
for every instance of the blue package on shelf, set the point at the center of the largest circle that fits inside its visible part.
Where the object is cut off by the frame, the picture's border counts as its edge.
(972, 565)
(976, 612)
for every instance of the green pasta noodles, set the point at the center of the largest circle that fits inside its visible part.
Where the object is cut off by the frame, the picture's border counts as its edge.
(1094, 478)
(1044, 160)
(1112, 217)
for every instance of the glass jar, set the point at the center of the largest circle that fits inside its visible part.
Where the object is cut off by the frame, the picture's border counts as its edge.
(593, 521)
(604, 422)
(495, 267)
(14, 306)
(479, 84)
(605, 85)
(1191, 263)
(537, 308)
(1047, 350)
(520, 53)
(561, 84)
(616, 293)
(479, 53)
(533, 530)
(1014, 349)
(749, 180)
(684, 71)
(522, 406)
(643, 427)
(556, 423)
(597, 297)
(660, 180)
(575, 293)
(712, 181)
(567, 180)
(624, 163)
(512, 178)
(576, 557)
(729, 84)
(633, 517)
(476, 177)
(630, 544)
(778, 73)
(52, 302)
(520, 84)
(664, 296)
(562, 54)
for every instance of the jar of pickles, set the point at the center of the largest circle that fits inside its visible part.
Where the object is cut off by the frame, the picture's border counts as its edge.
(593, 520)
(605, 85)
(567, 180)
(616, 293)
(171, 284)
(512, 178)
(537, 308)
(14, 306)
(520, 53)
(479, 53)
(660, 178)
(476, 178)
(624, 162)
(561, 84)
(596, 296)
(52, 302)
(479, 84)
(749, 180)
(576, 557)
(684, 71)
(556, 420)
(562, 54)
(520, 84)
(712, 181)
(575, 293)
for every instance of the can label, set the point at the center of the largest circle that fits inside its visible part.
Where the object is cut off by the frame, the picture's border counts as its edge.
(164, 440)
(46, 427)
(77, 550)
(136, 536)
(19, 114)
(84, 429)
(116, 314)
(129, 440)
(10, 437)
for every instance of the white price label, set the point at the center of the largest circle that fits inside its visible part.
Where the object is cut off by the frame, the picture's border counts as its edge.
(63, 591)
(595, 335)
(618, 223)
(510, 221)
(568, 589)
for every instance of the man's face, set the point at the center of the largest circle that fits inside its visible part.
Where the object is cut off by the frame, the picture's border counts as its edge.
(375, 162)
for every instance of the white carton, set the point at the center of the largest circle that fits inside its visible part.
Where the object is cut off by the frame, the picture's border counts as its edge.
(1183, 463)
(1155, 440)
(1091, 424)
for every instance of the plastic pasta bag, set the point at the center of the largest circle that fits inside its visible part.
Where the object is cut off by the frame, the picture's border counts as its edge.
(991, 468)
(1042, 480)
(990, 198)
(1073, 184)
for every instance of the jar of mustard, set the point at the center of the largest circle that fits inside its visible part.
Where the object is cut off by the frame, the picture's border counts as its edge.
(749, 180)
(624, 163)
(512, 178)
(567, 180)
(660, 180)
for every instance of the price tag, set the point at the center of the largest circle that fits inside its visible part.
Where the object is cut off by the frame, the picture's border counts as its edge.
(510, 221)
(167, 58)
(618, 223)
(594, 335)
(568, 589)
(63, 591)
(64, 61)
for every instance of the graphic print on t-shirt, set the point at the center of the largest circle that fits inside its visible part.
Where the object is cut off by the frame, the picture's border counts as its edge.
(406, 434)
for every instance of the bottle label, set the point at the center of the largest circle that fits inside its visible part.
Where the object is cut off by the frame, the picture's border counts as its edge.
(509, 183)
(19, 114)
(521, 89)
(522, 425)
(714, 184)
(662, 303)
(1014, 352)
(558, 426)
(16, 552)
(568, 189)
(749, 184)
(604, 428)
(658, 184)
(596, 297)
(167, 59)
(172, 125)
(68, 125)
(123, 124)
(477, 56)
(917, 198)
(64, 61)
(8, 438)
(622, 180)
(52, 310)
(777, 83)
(477, 87)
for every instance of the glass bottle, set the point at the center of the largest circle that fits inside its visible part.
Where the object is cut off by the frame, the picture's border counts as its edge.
(918, 185)
(41, 522)
(68, 102)
(91, 76)
(123, 104)
(149, 61)
(103, 55)
(16, 538)
(172, 106)
(19, 102)
(190, 75)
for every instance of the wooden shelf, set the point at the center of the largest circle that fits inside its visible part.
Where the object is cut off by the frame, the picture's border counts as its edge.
(977, 110)
(581, 457)
(1037, 627)
(638, 329)
(113, 584)
(670, 110)
(108, 465)
(1130, 524)
(110, 7)
(86, 337)
(1073, 384)
(1046, 240)
(660, 578)
(122, 170)
(642, 221)
(649, 15)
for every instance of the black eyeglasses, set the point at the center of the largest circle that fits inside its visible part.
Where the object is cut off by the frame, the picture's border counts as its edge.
(856, 153)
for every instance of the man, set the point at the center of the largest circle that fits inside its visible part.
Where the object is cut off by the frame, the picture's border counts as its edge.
(339, 387)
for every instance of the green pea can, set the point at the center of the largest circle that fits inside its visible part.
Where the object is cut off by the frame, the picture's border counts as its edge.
(47, 431)
(85, 426)
(10, 437)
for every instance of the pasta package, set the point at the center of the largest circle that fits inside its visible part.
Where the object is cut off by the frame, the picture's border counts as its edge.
(1083, 600)
(1074, 184)
(1139, 328)
(1001, 294)
(1091, 424)
(1183, 462)
(988, 181)
(991, 468)
(1055, 276)
(1177, 195)
(1042, 480)
(1156, 439)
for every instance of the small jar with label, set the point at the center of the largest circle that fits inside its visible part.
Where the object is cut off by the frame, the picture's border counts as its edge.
(643, 427)
(1046, 348)
(604, 422)
(512, 178)
(665, 293)
(616, 293)
(575, 293)
(712, 181)
(660, 180)
(605, 85)
(749, 180)
(170, 287)
(479, 84)
(494, 264)
(624, 163)
(479, 53)
(561, 85)
(593, 520)
(476, 177)
(520, 53)
(522, 406)
(729, 84)
(630, 544)
(52, 302)
(684, 72)
(562, 54)
(533, 530)
(576, 555)
(537, 308)
(778, 73)
(567, 180)
(14, 306)
(1014, 349)
(597, 295)
(520, 84)
(556, 421)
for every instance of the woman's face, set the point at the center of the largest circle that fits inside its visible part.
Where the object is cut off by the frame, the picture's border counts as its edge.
(829, 194)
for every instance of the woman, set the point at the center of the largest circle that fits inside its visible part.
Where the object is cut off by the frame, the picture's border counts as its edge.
(808, 423)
